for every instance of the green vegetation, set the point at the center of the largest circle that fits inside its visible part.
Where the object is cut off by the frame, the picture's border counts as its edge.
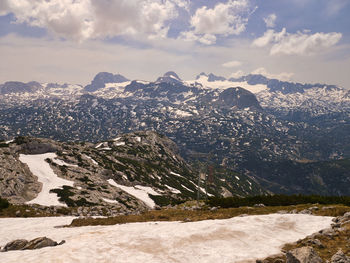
(164, 200)
(3, 203)
(278, 200)
(21, 140)
(3, 145)
(64, 195)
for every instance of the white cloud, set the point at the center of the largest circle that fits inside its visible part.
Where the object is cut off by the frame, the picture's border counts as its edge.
(269, 36)
(207, 39)
(185, 4)
(333, 7)
(237, 74)
(3, 8)
(270, 20)
(284, 76)
(224, 19)
(232, 64)
(85, 19)
(300, 43)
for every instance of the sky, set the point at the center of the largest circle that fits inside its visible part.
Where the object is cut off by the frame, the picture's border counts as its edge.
(70, 41)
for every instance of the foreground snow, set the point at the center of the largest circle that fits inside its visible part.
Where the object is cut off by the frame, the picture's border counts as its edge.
(40, 168)
(240, 239)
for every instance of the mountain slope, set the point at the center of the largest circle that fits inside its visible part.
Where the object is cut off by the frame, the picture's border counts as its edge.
(133, 171)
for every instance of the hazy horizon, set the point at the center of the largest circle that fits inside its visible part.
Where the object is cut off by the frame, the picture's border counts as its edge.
(71, 41)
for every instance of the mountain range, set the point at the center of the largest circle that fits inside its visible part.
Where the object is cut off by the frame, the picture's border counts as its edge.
(283, 137)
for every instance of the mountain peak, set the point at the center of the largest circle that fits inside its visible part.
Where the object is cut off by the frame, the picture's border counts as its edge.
(170, 77)
(201, 74)
(102, 78)
(211, 77)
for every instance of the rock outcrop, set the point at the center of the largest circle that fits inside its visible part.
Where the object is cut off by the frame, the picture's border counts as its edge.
(303, 255)
(23, 244)
(340, 257)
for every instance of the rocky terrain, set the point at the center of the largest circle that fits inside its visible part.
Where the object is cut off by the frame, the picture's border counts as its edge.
(131, 172)
(288, 137)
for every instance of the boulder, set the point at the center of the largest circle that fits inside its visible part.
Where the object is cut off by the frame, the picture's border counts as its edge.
(22, 244)
(340, 257)
(17, 244)
(303, 255)
(40, 242)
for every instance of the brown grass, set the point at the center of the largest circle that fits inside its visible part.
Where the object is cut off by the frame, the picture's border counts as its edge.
(203, 214)
(28, 211)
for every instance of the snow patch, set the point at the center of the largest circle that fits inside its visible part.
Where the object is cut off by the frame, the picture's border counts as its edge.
(40, 168)
(92, 160)
(176, 174)
(138, 191)
(188, 189)
(182, 113)
(227, 84)
(173, 190)
(239, 239)
(110, 201)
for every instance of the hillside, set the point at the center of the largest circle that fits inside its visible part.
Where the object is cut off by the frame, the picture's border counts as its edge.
(130, 172)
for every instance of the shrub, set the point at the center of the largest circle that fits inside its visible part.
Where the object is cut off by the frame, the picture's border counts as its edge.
(278, 200)
(4, 203)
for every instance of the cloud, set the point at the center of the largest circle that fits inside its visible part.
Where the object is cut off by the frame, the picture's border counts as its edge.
(237, 74)
(232, 64)
(300, 43)
(92, 19)
(270, 20)
(335, 6)
(224, 19)
(3, 8)
(284, 76)
(185, 4)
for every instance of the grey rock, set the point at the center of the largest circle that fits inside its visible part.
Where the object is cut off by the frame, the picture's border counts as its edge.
(17, 244)
(40, 242)
(34, 147)
(340, 257)
(328, 232)
(259, 205)
(313, 208)
(316, 242)
(303, 255)
(61, 243)
(305, 212)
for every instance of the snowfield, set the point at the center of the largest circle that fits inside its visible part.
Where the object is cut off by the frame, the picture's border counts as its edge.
(239, 239)
(40, 168)
(138, 191)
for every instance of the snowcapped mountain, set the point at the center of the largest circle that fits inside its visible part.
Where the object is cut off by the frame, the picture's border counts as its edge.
(103, 78)
(253, 125)
(283, 98)
(170, 77)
